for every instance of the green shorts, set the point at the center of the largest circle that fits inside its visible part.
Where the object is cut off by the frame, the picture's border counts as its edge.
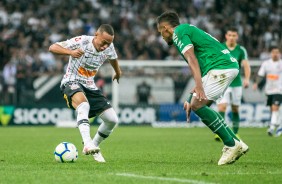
(97, 101)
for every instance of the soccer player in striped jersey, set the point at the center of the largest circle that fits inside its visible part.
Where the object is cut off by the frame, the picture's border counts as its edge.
(86, 55)
(213, 69)
(271, 69)
(233, 94)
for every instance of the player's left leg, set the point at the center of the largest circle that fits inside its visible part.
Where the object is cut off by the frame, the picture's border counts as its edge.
(279, 127)
(274, 119)
(236, 96)
(275, 101)
(215, 83)
(100, 106)
(222, 106)
(279, 130)
(110, 120)
(278, 100)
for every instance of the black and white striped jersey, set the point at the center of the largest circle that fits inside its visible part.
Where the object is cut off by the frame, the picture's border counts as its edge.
(84, 69)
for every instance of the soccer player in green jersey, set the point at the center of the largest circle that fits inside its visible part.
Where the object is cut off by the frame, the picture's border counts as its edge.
(213, 69)
(233, 94)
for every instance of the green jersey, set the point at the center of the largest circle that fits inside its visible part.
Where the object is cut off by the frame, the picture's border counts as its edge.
(240, 53)
(211, 54)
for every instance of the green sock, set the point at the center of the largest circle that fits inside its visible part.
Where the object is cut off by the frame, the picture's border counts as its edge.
(235, 121)
(229, 130)
(222, 114)
(215, 122)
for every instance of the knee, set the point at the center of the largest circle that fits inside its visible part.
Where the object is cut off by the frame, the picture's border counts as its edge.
(110, 117)
(235, 108)
(114, 119)
(84, 106)
(196, 106)
(221, 107)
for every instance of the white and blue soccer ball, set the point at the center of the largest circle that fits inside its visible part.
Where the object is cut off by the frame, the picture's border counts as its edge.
(66, 152)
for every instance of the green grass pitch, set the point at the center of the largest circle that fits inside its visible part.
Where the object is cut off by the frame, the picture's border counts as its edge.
(137, 155)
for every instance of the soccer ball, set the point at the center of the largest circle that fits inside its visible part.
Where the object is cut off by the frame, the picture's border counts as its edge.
(66, 152)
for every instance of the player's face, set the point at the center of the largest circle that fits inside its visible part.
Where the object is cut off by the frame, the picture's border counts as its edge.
(275, 54)
(231, 37)
(102, 41)
(164, 28)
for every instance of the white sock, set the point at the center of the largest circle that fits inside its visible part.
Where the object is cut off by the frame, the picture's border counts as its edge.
(98, 139)
(110, 120)
(83, 122)
(274, 120)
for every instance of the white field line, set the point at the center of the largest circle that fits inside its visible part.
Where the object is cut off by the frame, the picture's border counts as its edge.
(162, 178)
(241, 173)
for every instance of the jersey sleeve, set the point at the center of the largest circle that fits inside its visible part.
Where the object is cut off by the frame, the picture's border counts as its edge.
(112, 52)
(73, 43)
(244, 53)
(182, 42)
(262, 71)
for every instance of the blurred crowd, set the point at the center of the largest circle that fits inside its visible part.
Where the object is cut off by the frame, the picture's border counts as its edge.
(29, 27)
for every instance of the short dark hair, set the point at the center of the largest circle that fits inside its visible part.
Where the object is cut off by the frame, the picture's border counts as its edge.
(272, 47)
(170, 17)
(106, 28)
(232, 29)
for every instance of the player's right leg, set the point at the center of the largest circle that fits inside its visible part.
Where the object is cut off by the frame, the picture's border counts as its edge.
(74, 95)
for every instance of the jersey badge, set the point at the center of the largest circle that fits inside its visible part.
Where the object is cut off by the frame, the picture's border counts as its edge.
(74, 86)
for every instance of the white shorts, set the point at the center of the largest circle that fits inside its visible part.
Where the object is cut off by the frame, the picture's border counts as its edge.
(232, 95)
(217, 81)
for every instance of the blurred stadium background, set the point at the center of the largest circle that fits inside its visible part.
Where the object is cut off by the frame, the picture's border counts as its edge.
(30, 75)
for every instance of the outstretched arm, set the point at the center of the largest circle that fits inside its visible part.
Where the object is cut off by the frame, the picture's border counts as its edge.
(57, 49)
(115, 65)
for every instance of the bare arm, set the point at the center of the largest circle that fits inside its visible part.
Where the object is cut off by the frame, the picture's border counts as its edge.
(57, 49)
(259, 83)
(247, 73)
(115, 65)
(195, 68)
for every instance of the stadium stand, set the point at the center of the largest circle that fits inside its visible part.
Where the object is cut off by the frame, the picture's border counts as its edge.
(27, 31)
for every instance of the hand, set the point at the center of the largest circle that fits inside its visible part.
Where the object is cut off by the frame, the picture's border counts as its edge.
(200, 93)
(246, 83)
(187, 108)
(77, 53)
(255, 86)
(117, 76)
